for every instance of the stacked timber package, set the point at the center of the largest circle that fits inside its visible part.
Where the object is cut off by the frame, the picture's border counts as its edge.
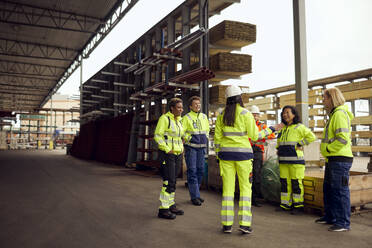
(224, 38)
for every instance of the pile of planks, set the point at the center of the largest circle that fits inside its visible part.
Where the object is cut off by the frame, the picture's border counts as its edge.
(231, 64)
(233, 34)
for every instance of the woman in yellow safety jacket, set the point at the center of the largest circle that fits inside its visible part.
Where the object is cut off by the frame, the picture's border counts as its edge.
(168, 136)
(336, 148)
(233, 129)
(290, 142)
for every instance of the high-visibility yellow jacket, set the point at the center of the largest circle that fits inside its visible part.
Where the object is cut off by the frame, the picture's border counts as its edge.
(169, 133)
(232, 143)
(336, 140)
(289, 138)
(196, 126)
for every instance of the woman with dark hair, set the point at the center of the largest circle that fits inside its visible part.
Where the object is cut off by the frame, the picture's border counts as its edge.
(291, 140)
(168, 136)
(233, 128)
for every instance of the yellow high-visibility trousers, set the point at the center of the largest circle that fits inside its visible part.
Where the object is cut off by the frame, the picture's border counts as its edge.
(292, 189)
(228, 170)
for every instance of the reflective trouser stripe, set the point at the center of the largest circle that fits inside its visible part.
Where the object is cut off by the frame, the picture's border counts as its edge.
(292, 172)
(165, 197)
(171, 199)
(245, 214)
(229, 169)
(227, 211)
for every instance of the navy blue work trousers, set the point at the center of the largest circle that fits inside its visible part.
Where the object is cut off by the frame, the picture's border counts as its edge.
(195, 169)
(337, 194)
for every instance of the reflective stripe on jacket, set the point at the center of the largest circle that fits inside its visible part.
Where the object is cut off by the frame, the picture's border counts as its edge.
(291, 137)
(169, 133)
(232, 143)
(196, 126)
(336, 139)
(261, 142)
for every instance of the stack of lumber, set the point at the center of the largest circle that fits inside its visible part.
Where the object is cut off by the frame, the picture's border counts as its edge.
(230, 64)
(217, 94)
(231, 34)
(315, 97)
(264, 104)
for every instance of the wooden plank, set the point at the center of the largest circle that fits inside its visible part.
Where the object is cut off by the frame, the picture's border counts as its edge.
(232, 34)
(319, 82)
(317, 112)
(355, 86)
(361, 149)
(317, 123)
(361, 134)
(265, 100)
(265, 107)
(354, 134)
(362, 120)
(231, 64)
(316, 100)
(265, 117)
(358, 94)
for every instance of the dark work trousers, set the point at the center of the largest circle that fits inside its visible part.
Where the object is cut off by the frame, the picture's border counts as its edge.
(195, 169)
(170, 170)
(337, 194)
(257, 167)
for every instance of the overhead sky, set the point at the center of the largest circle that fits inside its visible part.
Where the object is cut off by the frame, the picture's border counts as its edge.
(338, 34)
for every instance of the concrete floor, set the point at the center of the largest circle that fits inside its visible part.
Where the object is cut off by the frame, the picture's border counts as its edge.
(49, 199)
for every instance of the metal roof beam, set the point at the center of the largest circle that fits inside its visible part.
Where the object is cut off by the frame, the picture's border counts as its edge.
(16, 93)
(114, 17)
(26, 77)
(35, 50)
(29, 15)
(25, 81)
(29, 87)
(27, 68)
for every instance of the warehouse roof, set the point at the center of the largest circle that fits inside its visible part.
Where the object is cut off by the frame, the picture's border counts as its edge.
(41, 43)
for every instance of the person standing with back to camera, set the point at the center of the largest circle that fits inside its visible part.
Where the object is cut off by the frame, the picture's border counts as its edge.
(233, 129)
(336, 148)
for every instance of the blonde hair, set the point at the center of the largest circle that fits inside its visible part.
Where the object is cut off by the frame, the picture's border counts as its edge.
(336, 96)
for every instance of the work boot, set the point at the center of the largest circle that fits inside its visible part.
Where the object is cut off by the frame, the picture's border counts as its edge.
(201, 199)
(175, 210)
(323, 220)
(196, 202)
(335, 228)
(166, 214)
(245, 229)
(227, 229)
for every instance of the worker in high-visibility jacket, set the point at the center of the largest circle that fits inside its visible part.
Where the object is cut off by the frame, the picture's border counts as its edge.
(258, 147)
(290, 142)
(196, 126)
(168, 135)
(233, 129)
(336, 148)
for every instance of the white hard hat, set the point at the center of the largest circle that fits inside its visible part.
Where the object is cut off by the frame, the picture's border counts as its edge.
(233, 90)
(255, 109)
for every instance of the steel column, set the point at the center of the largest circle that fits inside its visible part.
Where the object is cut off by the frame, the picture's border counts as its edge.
(299, 27)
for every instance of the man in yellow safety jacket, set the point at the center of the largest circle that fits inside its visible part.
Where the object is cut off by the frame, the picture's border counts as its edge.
(196, 126)
(168, 136)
